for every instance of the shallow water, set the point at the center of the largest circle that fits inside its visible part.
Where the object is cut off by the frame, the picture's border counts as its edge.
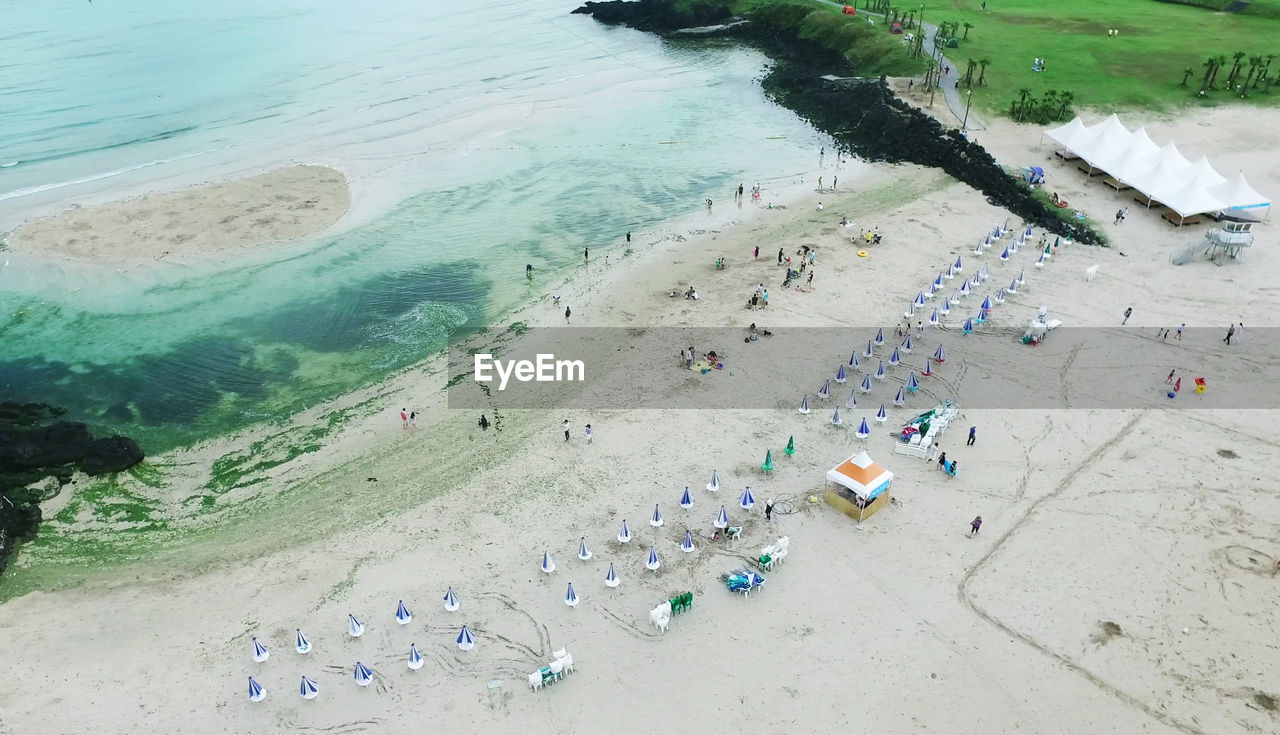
(478, 138)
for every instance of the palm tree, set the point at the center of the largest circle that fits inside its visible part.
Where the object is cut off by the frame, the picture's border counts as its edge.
(1235, 68)
(1254, 63)
(983, 75)
(1186, 74)
(911, 17)
(1209, 65)
(1064, 101)
(967, 26)
(1023, 94)
(968, 74)
(1048, 105)
(1221, 62)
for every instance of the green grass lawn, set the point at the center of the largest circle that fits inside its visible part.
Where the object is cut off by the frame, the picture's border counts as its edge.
(1142, 67)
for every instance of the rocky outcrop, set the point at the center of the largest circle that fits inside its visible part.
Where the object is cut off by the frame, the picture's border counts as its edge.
(34, 444)
(862, 115)
(658, 16)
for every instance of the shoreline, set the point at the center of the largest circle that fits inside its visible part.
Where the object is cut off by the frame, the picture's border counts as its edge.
(278, 206)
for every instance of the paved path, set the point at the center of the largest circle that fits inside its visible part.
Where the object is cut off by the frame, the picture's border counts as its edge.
(955, 98)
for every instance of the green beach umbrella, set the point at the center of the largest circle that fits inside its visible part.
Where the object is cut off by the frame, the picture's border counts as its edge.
(1056, 240)
(768, 461)
(791, 447)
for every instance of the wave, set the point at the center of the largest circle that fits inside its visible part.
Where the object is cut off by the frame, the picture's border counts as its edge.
(19, 193)
(153, 138)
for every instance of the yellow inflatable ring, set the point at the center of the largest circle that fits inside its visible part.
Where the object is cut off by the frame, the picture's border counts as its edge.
(862, 253)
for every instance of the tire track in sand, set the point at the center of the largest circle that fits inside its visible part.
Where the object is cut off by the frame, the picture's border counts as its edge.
(962, 590)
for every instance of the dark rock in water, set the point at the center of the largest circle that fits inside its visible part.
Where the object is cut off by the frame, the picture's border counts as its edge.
(34, 445)
(112, 454)
(658, 16)
(119, 412)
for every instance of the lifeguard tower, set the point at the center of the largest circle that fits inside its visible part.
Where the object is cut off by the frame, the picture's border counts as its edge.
(1221, 243)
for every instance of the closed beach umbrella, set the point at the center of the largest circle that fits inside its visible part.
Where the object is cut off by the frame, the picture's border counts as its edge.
(869, 351)
(656, 519)
(1013, 287)
(907, 344)
(466, 641)
(863, 431)
(879, 337)
(790, 449)
(747, 501)
(931, 291)
(986, 304)
(1028, 232)
(415, 658)
(1040, 261)
(955, 297)
(355, 628)
(1000, 296)
(308, 688)
(1022, 277)
(853, 359)
(301, 644)
(980, 317)
(939, 355)
(840, 374)
(687, 545)
(937, 282)
(984, 273)
(451, 603)
(968, 326)
(804, 408)
(583, 552)
(768, 461)
(624, 536)
(722, 520)
(825, 391)
(611, 579)
(928, 368)
(934, 318)
(911, 310)
(652, 563)
(403, 615)
(686, 500)
(900, 397)
(912, 383)
(951, 272)
(260, 652)
(882, 415)
(363, 674)
(975, 281)
(851, 402)
(946, 307)
(919, 299)
(866, 379)
(959, 266)
(571, 597)
(988, 240)
(894, 359)
(548, 566)
(977, 249)
(714, 484)
(835, 417)
(1004, 255)
(256, 691)
(964, 289)
(1013, 248)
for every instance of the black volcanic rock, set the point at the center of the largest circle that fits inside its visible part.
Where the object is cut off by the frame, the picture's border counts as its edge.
(658, 16)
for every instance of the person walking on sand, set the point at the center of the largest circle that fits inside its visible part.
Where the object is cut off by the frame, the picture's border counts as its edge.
(768, 510)
(1127, 313)
(585, 253)
(567, 313)
(1169, 379)
(810, 281)
(974, 525)
(413, 419)
(756, 253)
(1178, 336)
(628, 236)
(779, 256)
(834, 179)
(404, 419)
(819, 182)
(933, 452)
(1231, 332)
(973, 436)
(1239, 332)
(942, 461)
(565, 425)
(588, 433)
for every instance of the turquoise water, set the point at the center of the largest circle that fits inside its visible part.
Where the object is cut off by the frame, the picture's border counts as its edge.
(478, 138)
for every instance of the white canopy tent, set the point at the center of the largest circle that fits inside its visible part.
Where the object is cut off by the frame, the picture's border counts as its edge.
(1191, 199)
(1237, 194)
(1204, 174)
(1070, 136)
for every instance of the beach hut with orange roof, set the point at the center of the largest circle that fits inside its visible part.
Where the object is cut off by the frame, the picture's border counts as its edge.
(858, 487)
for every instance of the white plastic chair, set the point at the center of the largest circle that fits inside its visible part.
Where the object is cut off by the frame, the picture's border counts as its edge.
(662, 624)
(560, 653)
(557, 669)
(535, 680)
(566, 661)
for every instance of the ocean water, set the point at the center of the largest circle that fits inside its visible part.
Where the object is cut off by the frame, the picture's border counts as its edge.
(478, 137)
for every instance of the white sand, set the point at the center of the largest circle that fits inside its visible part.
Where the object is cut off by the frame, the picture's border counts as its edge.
(1121, 582)
(273, 207)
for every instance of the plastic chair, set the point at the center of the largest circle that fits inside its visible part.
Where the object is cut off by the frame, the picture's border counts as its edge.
(566, 662)
(557, 669)
(560, 653)
(535, 680)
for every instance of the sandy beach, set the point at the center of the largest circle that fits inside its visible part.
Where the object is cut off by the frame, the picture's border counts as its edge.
(276, 206)
(1122, 581)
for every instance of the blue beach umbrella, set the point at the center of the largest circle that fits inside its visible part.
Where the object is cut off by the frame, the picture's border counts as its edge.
(911, 310)
(854, 362)
(804, 405)
(949, 273)
(866, 384)
(937, 282)
(260, 652)
(869, 351)
(964, 289)
(466, 641)
(894, 359)
(686, 500)
(256, 691)
(1000, 296)
(355, 628)
(1040, 262)
(959, 266)
(747, 501)
(549, 566)
(835, 417)
(415, 658)
(977, 249)
(308, 688)
(882, 415)
(851, 402)
(656, 519)
(714, 484)
(928, 369)
(624, 535)
(968, 326)
(934, 318)
(583, 552)
(403, 616)
(687, 545)
(899, 398)
(863, 431)
(301, 644)
(1013, 287)
(571, 597)
(919, 300)
(1004, 255)
(912, 384)
(975, 281)
(652, 563)
(825, 390)
(362, 674)
(939, 355)
(451, 603)
(722, 519)
(879, 337)
(611, 579)
(1022, 277)
(907, 344)
(986, 304)
(945, 308)
(931, 291)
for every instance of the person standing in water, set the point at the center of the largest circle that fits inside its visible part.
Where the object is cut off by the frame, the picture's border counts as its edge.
(586, 252)
(628, 235)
